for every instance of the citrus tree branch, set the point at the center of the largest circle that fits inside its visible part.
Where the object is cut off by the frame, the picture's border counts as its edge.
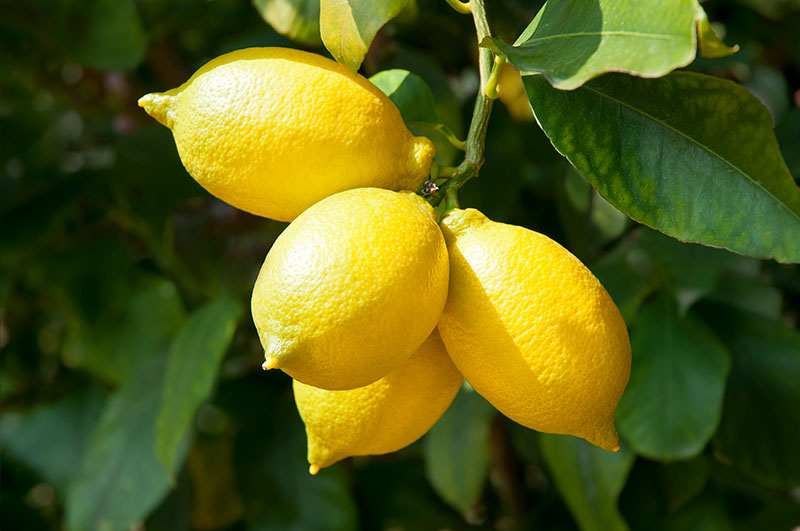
(476, 138)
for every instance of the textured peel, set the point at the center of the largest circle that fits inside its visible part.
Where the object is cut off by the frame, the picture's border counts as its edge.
(274, 130)
(532, 330)
(351, 288)
(382, 417)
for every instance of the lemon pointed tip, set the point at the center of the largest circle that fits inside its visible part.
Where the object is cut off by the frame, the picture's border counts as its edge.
(313, 470)
(157, 105)
(269, 364)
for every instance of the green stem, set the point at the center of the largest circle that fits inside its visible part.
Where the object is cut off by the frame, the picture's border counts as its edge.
(461, 7)
(476, 138)
(491, 85)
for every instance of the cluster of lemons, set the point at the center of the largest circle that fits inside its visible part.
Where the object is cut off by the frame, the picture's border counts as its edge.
(374, 307)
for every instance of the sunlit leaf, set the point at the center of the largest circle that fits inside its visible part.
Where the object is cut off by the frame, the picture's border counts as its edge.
(572, 41)
(297, 19)
(347, 27)
(194, 359)
(691, 155)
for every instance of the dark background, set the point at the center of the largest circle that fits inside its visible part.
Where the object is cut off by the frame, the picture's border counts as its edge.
(108, 245)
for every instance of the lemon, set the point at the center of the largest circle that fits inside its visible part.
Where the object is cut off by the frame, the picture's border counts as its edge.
(532, 330)
(274, 130)
(351, 288)
(381, 417)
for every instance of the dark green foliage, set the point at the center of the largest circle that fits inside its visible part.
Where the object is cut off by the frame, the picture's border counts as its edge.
(131, 390)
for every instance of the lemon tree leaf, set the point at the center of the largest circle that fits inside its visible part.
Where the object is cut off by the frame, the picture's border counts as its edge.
(683, 481)
(457, 449)
(115, 37)
(572, 41)
(28, 435)
(120, 479)
(673, 401)
(760, 423)
(193, 362)
(412, 97)
(296, 19)
(589, 478)
(690, 155)
(347, 27)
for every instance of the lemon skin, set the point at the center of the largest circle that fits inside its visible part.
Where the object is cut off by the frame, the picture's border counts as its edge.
(351, 288)
(532, 330)
(382, 417)
(273, 130)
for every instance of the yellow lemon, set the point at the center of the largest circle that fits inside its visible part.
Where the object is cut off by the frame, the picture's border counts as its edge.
(532, 330)
(381, 417)
(351, 288)
(274, 130)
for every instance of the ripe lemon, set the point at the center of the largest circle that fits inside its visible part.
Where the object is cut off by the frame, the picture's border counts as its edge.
(274, 130)
(381, 417)
(351, 288)
(532, 330)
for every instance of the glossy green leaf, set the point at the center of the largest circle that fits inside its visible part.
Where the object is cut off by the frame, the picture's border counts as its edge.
(192, 366)
(296, 19)
(589, 478)
(760, 423)
(115, 37)
(120, 479)
(116, 344)
(347, 27)
(29, 435)
(457, 450)
(572, 41)
(691, 155)
(625, 272)
(673, 401)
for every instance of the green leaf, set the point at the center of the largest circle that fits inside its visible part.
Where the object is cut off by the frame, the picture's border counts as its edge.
(115, 37)
(673, 401)
(272, 473)
(706, 513)
(690, 155)
(194, 359)
(572, 41)
(296, 19)
(116, 344)
(347, 27)
(457, 449)
(760, 423)
(590, 479)
(120, 479)
(29, 435)
(626, 276)
(413, 98)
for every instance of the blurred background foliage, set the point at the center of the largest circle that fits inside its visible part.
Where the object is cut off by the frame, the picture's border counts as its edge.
(131, 392)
